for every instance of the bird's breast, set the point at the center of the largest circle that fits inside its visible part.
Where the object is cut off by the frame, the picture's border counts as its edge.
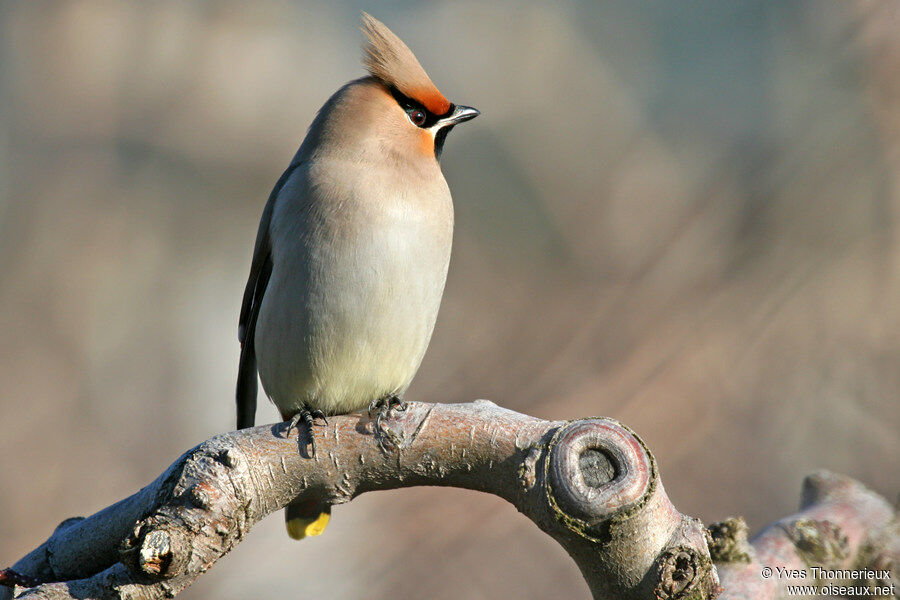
(358, 275)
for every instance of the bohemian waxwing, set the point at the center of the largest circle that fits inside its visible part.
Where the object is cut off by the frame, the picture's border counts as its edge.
(351, 254)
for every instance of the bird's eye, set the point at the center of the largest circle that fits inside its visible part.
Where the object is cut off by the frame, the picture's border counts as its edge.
(416, 116)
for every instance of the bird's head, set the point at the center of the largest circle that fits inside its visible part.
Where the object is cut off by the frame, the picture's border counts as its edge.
(396, 111)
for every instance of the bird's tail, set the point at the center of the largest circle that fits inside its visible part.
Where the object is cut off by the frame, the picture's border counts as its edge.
(246, 386)
(306, 518)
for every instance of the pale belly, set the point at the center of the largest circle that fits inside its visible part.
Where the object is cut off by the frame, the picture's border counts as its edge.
(342, 324)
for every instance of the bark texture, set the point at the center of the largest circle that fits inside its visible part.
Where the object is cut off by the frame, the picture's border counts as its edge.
(591, 484)
(841, 526)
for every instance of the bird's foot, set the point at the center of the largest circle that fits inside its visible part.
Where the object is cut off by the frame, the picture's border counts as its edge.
(308, 417)
(384, 408)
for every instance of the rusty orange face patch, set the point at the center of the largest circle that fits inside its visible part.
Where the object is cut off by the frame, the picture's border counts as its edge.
(426, 142)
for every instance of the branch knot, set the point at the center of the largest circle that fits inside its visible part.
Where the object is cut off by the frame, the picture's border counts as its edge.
(157, 552)
(728, 541)
(596, 470)
(819, 543)
(681, 572)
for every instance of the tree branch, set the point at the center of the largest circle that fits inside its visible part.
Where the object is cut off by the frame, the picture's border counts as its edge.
(590, 484)
(841, 526)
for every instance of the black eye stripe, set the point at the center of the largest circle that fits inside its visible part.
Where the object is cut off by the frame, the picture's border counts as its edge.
(408, 104)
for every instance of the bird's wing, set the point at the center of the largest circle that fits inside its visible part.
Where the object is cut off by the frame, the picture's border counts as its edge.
(260, 270)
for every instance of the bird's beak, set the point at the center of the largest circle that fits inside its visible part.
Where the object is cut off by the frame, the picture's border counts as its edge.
(460, 114)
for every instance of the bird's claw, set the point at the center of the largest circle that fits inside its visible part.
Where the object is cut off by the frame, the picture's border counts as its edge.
(384, 408)
(309, 419)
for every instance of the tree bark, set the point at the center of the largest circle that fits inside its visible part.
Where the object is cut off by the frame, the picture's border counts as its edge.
(590, 484)
(842, 529)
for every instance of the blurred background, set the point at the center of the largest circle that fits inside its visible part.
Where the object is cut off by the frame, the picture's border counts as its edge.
(681, 215)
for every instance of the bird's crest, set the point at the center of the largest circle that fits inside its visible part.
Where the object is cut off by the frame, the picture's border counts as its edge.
(390, 60)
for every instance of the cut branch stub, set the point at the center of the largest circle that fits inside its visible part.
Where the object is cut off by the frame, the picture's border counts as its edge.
(597, 470)
(613, 516)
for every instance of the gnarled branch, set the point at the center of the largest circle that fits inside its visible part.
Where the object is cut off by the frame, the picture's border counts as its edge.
(842, 528)
(591, 484)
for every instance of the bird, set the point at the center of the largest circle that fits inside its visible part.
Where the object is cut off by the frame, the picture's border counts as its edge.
(351, 254)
